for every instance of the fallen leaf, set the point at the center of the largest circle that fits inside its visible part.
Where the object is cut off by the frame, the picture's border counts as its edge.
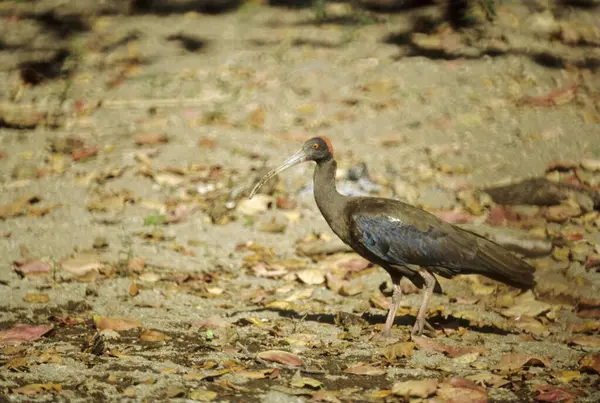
(116, 323)
(23, 333)
(257, 118)
(260, 374)
(84, 153)
(32, 268)
(527, 305)
(365, 369)
(18, 206)
(82, 264)
(299, 381)
(202, 395)
(153, 336)
(513, 362)
(585, 341)
(133, 289)
(38, 388)
(567, 376)
(207, 374)
(399, 350)
(282, 357)
(454, 216)
(549, 393)
(462, 390)
(489, 379)
(555, 97)
(415, 388)
(424, 343)
(590, 363)
(311, 276)
(36, 298)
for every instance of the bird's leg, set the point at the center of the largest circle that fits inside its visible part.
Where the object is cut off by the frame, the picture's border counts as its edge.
(396, 297)
(427, 293)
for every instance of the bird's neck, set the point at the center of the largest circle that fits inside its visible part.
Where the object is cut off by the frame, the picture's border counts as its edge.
(330, 202)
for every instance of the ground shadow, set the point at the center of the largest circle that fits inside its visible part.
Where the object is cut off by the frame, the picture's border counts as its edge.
(165, 7)
(188, 42)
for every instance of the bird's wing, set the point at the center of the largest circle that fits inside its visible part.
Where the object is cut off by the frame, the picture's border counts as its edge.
(401, 241)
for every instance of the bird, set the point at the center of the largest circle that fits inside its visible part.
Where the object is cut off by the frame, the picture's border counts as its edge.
(404, 240)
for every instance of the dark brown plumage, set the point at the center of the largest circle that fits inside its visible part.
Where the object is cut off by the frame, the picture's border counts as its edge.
(404, 240)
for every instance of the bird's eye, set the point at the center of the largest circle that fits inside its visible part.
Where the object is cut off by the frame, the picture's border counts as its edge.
(315, 145)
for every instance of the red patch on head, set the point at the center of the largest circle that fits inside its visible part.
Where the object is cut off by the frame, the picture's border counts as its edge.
(328, 142)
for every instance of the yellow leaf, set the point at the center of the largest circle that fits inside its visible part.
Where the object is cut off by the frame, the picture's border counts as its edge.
(36, 298)
(153, 336)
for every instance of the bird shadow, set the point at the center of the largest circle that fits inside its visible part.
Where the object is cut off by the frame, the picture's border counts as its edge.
(165, 7)
(440, 322)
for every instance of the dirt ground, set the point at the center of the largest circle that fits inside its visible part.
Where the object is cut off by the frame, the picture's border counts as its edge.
(128, 145)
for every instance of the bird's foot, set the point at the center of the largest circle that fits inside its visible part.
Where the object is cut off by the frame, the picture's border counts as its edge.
(419, 326)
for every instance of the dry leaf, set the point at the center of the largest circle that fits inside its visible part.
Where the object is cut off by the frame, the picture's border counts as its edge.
(549, 393)
(213, 322)
(38, 388)
(82, 264)
(35, 298)
(282, 357)
(590, 363)
(515, 361)
(399, 350)
(23, 333)
(133, 289)
(257, 118)
(202, 395)
(150, 138)
(32, 268)
(489, 379)
(527, 305)
(424, 343)
(116, 323)
(462, 390)
(299, 381)
(365, 369)
(153, 336)
(311, 276)
(416, 388)
(207, 374)
(585, 341)
(84, 153)
(260, 374)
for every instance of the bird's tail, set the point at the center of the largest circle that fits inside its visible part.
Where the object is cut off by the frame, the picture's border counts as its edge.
(495, 262)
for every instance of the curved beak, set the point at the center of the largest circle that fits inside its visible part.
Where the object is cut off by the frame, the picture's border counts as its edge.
(295, 159)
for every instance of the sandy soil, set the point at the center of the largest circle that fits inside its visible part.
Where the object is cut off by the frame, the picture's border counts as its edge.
(179, 112)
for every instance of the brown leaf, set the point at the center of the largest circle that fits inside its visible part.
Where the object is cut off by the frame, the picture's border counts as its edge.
(153, 336)
(282, 357)
(462, 390)
(586, 341)
(115, 323)
(36, 298)
(416, 388)
(84, 153)
(133, 289)
(549, 393)
(399, 350)
(18, 206)
(365, 369)
(513, 362)
(487, 378)
(555, 97)
(206, 374)
(38, 388)
(590, 363)
(23, 333)
(257, 118)
(150, 138)
(259, 374)
(424, 343)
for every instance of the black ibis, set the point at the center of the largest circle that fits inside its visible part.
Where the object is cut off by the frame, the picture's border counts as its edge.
(403, 239)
